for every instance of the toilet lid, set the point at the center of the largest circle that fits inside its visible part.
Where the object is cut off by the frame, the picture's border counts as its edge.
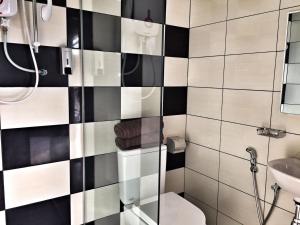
(176, 210)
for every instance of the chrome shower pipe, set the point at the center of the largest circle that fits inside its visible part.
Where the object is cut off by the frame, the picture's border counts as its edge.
(36, 43)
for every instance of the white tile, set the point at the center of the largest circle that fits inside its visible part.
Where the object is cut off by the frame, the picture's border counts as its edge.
(289, 3)
(47, 106)
(203, 160)
(206, 72)
(225, 220)
(2, 218)
(203, 131)
(250, 71)
(237, 205)
(101, 68)
(176, 70)
(76, 78)
(175, 180)
(99, 138)
(240, 8)
(76, 141)
(111, 7)
(205, 12)
(232, 169)
(36, 183)
(201, 188)
(283, 121)
(174, 126)
(247, 107)
(207, 40)
(102, 202)
(134, 40)
(204, 102)
(279, 216)
(51, 33)
(178, 13)
(209, 212)
(285, 199)
(236, 138)
(252, 34)
(138, 101)
(77, 209)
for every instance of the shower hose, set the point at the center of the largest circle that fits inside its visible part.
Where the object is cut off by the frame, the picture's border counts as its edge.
(4, 25)
(275, 188)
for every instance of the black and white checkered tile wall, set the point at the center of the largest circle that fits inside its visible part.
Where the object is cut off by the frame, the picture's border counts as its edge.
(41, 178)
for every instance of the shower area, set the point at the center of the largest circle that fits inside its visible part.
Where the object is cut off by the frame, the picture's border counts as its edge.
(84, 148)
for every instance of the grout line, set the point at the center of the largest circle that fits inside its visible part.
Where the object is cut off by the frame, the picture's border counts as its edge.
(233, 89)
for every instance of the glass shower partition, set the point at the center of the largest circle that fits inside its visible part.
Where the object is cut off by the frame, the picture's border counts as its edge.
(121, 100)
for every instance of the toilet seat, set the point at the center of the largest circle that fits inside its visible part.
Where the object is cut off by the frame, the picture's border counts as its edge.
(176, 210)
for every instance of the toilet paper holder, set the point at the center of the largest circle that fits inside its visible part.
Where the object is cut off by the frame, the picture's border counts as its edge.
(176, 144)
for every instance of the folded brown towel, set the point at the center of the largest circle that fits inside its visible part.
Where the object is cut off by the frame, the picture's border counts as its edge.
(146, 141)
(137, 127)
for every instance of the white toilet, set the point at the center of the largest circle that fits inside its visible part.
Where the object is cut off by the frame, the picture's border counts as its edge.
(138, 177)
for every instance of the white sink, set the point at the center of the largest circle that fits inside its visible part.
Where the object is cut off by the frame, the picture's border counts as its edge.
(287, 174)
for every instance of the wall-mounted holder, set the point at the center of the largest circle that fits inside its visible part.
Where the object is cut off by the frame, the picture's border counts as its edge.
(269, 132)
(66, 61)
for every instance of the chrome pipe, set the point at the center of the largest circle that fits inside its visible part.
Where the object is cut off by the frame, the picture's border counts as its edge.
(296, 220)
(36, 43)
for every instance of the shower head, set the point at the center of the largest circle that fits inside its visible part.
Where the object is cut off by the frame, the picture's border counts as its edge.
(8, 8)
(252, 152)
(47, 11)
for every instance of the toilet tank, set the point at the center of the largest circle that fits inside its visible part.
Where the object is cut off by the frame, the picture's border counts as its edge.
(138, 173)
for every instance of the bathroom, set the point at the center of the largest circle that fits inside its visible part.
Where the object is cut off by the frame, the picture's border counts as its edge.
(147, 112)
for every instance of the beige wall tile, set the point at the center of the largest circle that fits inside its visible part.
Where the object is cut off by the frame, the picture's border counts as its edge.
(247, 107)
(225, 220)
(205, 12)
(232, 169)
(240, 8)
(175, 180)
(206, 72)
(209, 212)
(283, 22)
(289, 3)
(236, 138)
(176, 70)
(203, 131)
(285, 147)
(285, 199)
(178, 13)
(279, 71)
(252, 34)
(201, 188)
(204, 102)
(237, 205)
(203, 160)
(279, 216)
(250, 71)
(207, 40)
(283, 121)
(174, 126)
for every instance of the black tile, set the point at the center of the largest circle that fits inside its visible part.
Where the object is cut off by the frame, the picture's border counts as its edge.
(152, 11)
(34, 146)
(75, 104)
(50, 212)
(101, 170)
(55, 2)
(73, 28)
(102, 103)
(48, 58)
(101, 32)
(177, 42)
(76, 173)
(175, 161)
(2, 201)
(175, 99)
(142, 70)
(109, 220)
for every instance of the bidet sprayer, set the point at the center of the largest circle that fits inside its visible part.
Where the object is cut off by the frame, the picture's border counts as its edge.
(253, 157)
